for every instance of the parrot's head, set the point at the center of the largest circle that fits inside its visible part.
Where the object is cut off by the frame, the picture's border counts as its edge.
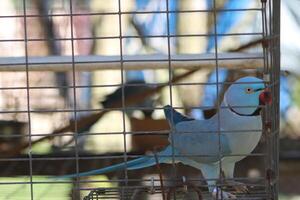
(246, 96)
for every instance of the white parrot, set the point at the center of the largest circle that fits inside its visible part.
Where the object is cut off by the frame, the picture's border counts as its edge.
(224, 139)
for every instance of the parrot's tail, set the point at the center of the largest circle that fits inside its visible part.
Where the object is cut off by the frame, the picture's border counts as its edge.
(164, 156)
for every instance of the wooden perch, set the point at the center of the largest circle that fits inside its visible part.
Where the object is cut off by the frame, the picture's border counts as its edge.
(133, 62)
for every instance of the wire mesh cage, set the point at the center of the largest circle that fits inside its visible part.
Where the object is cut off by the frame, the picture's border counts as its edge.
(59, 60)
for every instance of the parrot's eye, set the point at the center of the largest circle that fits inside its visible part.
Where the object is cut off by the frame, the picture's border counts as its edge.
(249, 90)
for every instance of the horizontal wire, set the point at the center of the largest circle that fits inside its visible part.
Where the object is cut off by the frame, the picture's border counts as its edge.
(123, 109)
(128, 37)
(129, 84)
(82, 157)
(145, 180)
(136, 133)
(128, 13)
(132, 60)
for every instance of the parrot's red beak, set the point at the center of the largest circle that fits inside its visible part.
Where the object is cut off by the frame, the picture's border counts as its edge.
(265, 97)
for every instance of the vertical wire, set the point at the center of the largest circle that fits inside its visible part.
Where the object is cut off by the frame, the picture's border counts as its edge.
(275, 26)
(170, 89)
(266, 117)
(264, 71)
(170, 78)
(77, 183)
(271, 66)
(28, 98)
(271, 36)
(218, 97)
(267, 67)
(264, 32)
(275, 76)
(276, 15)
(123, 92)
(271, 72)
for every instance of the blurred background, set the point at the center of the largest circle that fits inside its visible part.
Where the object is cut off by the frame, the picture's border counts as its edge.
(52, 98)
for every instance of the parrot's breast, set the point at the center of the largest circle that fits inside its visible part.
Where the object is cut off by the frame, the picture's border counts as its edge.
(243, 137)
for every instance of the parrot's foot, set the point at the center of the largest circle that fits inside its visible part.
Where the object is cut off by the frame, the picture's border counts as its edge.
(237, 186)
(221, 194)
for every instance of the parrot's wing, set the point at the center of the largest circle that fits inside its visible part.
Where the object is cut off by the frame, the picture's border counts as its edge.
(201, 140)
(174, 117)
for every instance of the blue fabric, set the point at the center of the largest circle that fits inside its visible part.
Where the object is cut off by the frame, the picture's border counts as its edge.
(209, 4)
(210, 92)
(135, 75)
(156, 24)
(285, 96)
(150, 26)
(141, 4)
(225, 21)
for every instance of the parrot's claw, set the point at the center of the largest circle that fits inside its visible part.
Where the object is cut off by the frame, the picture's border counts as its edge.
(221, 194)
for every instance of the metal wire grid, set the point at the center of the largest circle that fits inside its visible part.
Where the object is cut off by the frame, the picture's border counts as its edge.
(270, 19)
